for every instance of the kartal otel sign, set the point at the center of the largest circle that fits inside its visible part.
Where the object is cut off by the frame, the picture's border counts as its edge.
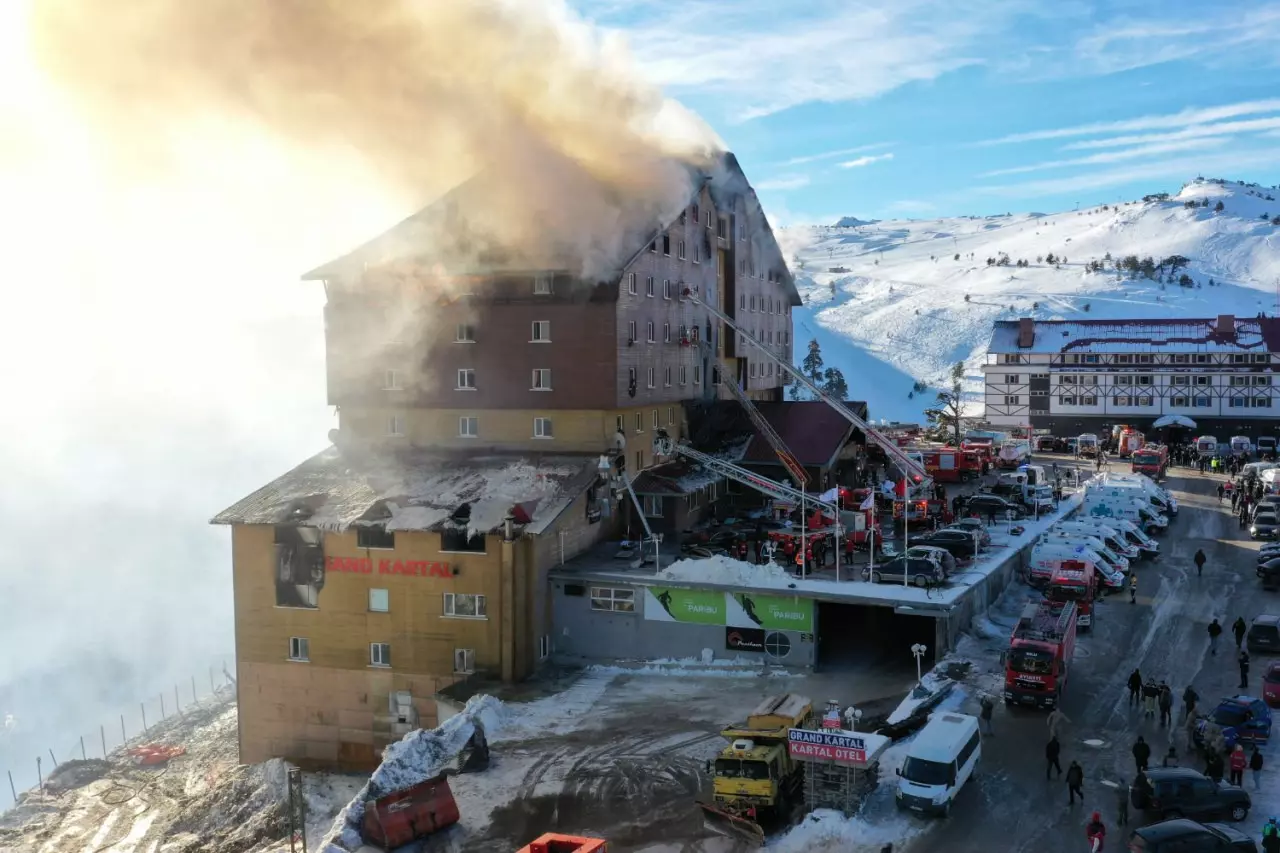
(837, 746)
(364, 566)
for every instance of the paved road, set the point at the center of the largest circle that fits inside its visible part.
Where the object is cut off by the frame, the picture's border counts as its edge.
(1014, 808)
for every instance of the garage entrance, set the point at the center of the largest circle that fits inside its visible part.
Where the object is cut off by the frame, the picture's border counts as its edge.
(860, 636)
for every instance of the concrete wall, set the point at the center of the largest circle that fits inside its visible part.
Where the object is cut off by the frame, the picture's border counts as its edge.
(978, 598)
(583, 635)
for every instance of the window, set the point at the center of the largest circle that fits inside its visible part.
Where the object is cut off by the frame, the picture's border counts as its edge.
(465, 334)
(544, 647)
(1010, 358)
(395, 426)
(380, 654)
(299, 648)
(375, 537)
(1262, 380)
(619, 423)
(666, 333)
(1067, 380)
(464, 606)
(671, 415)
(648, 332)
(1201, 402)
(722, 228)
(631, 331)
(1262, 358)
(540, 379)
(1239, 402)
(666, 377)
(639, 419)
(1178, 402)
(1124, 380)
(1145, 400)
(1121, 400)
(693, 214)
(631, 283)
(1239, 380)
(1262, 402)
(639, 459)
(468, 427)
(753, 303)
(1202, 358)
(697, 253)
(464, 661)
(1089, 400)
(1180, 359)
(1011, 379)
(613, 598)
(653, 247)
(742, 302)
(1179, 380)
(666, 245)
(1067, 401)
(649, 376)
(456, 540)
(542, 428)
(648, 287)
(379, 601)
(776, 644)
(466, 379)
(654, 418)
(540, 332)
(1011, 400)
(1144, 380)
(391, 381)
(697, 374)
(1123, 359)
(684, 375)
(1240, 358)
(681, 255)
(752, 367)
(542, 285)
(1204, 380)
(1144, 359)
(652, 506)
(631, 378)
(666, 288)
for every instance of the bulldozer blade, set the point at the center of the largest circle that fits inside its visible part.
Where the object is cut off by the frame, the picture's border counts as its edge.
(725, 823)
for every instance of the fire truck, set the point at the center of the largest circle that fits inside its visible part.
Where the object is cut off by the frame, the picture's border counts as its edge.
(1129, 443)
(1039, 656)
(1075, 581)
(1152, 460)
(948, 465)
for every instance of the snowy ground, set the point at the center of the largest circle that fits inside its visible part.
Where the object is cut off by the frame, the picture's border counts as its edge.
(904, 308)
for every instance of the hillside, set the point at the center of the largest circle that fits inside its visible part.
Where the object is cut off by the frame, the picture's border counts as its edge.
(902, 308)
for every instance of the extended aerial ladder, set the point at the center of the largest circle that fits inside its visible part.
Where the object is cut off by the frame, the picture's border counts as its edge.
(784, 454)
(904, 462)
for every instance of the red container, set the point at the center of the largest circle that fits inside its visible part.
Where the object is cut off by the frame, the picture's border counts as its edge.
(397, 819)
(555, 843)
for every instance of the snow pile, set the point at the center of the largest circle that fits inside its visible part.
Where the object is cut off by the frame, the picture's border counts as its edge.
(828, 830)
(698, 671)
(553, 715)
(722, 569)
(417, 757)
(932, 683)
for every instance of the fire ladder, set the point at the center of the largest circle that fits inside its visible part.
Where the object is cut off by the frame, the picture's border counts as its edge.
(904, 462)
(785, 456)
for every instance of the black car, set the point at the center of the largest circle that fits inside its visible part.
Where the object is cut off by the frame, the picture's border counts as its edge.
(958, 542)
(1264, 524)
(1264, 634)
(1187, 836)
(921, 572)
(988, 505)
(1269, 572)
(1182, 792)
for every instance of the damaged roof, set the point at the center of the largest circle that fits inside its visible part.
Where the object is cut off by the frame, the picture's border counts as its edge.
(682, 476)
(418, 490)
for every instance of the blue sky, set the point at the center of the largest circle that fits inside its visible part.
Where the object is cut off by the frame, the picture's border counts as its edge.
(925, 108)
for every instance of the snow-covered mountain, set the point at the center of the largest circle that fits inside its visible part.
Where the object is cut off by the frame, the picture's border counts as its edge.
(893, 303)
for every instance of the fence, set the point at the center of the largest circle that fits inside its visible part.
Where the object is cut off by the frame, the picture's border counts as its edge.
(128, 725)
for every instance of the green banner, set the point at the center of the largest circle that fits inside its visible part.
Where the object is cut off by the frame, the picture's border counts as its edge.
(697, 606)
(775, 613)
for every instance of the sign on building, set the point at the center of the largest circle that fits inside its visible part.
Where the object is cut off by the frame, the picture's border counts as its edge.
(733, 610)
(851, 749)
(696, 606)
(744, 639)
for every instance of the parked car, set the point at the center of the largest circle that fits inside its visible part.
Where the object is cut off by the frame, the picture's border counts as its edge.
(1271, 685)
(969, 525)
(1183, 792)
(1241, 718)
(919, 571)
(1264, 524)
(987, 505)
(1182, 836)
(1269, 572)
(959, 542)
(1264, 634)
(1269, 551)
(1072, 445)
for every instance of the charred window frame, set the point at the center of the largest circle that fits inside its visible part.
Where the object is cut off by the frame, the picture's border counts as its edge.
(375, 538)
(459, 541)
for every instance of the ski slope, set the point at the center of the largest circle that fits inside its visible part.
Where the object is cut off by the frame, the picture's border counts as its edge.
(901, 308)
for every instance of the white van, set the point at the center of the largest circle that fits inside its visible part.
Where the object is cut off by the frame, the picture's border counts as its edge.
(1048, 556)
(1117, 503)
(1241, 444)
(1206, 444)
(1092, 542)
(1134, 534)
(1266, 445)
(940, 759)
(1110, 536)
(1163, 499)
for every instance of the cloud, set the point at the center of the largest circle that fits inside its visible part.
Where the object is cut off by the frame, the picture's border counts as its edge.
(1225, 128)
(783, 182)
(1182, 119)
(1113, 156)
(865, 161)
(842, 152)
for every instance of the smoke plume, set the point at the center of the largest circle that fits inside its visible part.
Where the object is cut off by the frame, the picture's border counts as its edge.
(578, 158)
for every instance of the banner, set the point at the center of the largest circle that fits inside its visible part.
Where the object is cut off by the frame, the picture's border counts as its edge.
(699, 607)
(744, 639)
(849, 748)
(773, 612)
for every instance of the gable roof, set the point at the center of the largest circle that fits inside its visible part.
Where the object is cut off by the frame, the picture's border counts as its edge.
(1167, 334)
(811, 430)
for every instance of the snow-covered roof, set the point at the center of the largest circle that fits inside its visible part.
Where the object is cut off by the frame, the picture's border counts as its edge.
(417, 490)
(1253, 334)
(681, 476)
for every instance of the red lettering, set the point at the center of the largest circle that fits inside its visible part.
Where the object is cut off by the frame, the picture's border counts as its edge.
(398, 568)
(384, 567)
(440, 570)
(366, 566)
(348, 564)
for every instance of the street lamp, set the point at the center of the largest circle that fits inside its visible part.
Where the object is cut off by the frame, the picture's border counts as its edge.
(918, 650)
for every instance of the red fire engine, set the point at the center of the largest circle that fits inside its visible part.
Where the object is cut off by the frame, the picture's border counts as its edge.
(949, 465)
(1039, 656)
(1152, 460)
(1074, 581)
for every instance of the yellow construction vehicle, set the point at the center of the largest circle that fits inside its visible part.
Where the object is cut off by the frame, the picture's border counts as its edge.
(755, 783)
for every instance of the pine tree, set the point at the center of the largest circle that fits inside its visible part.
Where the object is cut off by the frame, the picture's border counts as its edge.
(812, 364)
(833, 383)
(948, 407)
(1219, 207)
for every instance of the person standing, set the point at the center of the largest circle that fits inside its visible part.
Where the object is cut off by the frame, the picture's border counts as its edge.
(1238, 628)
(1215, 631)
(1271, 837)
(1243, 661)
(1199, 559)
(984, 716)
(1075, 782)
(1238, 763)
(1189, 699)
(1055, 719)
(1170, 758)
(1165, 701)
(1133, 587)
(1052, 750)
(1150, 692)
(1122, 805)
(1135, 687)
(1141, 754)
(1255, 768)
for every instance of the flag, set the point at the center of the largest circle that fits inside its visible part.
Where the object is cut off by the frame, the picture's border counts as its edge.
(869, 502)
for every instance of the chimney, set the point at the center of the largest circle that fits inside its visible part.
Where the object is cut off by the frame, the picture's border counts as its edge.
(1227, 325)
(1026, 332)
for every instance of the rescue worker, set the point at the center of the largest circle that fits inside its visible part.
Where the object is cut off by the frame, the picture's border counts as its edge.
(1133, 588)
(1215, 630)
(1255, 768)
(1141, 754)
(1238, 628)
(1135, 687)
(1239, 761)
(984, 716)
(1095, 832)
(1052, 750)
(1075, 780)
(1271, 837)
(1199, 560)
(1165, 702)
(1243, 661)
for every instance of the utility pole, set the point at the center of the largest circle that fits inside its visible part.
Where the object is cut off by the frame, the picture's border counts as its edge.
(297, 813)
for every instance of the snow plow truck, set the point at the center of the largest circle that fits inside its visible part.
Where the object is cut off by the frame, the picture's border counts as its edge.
(755, 782)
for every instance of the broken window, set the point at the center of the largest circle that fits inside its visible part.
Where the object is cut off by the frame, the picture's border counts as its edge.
(375, 537)
(459, 540)
(299, 566)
